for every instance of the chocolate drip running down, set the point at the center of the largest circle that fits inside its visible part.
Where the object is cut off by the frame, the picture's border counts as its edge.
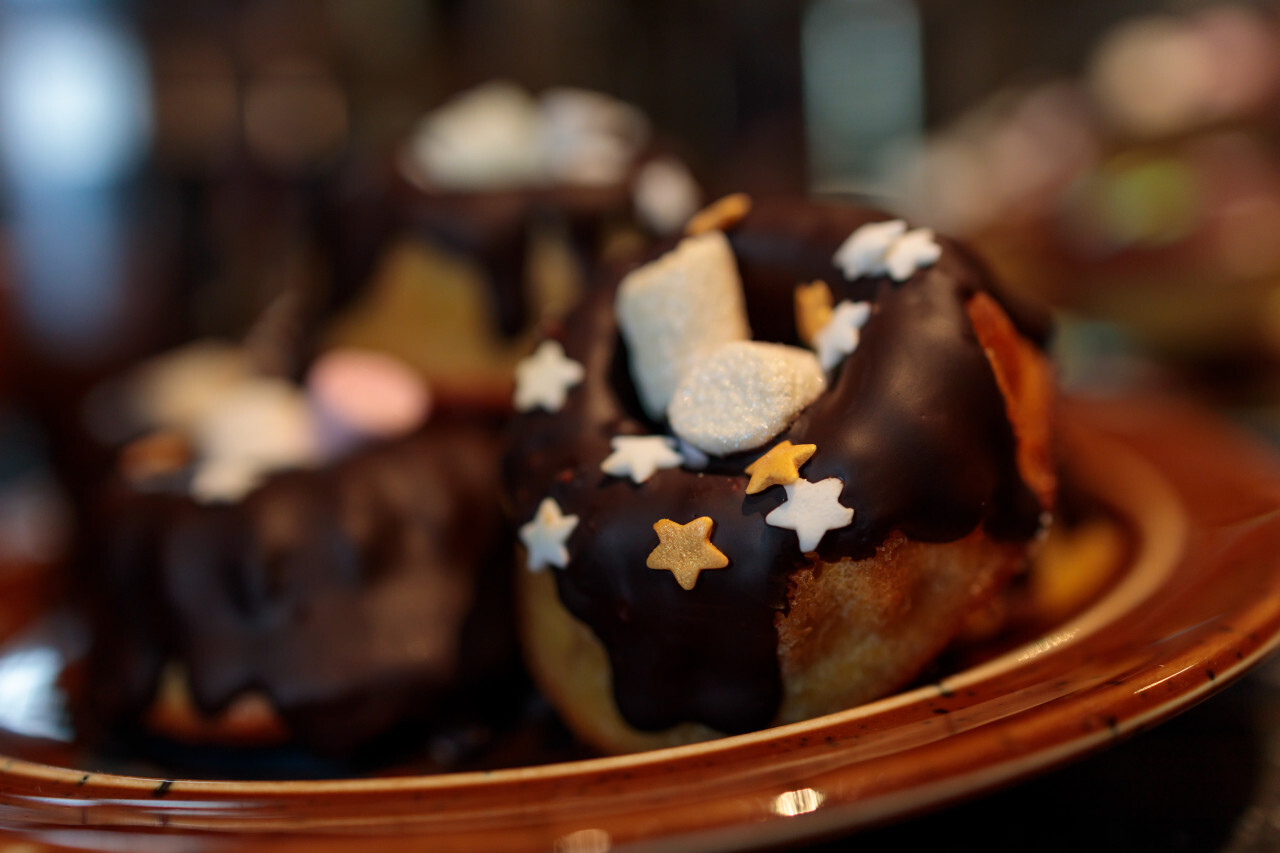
(354, 597)
(913, 423)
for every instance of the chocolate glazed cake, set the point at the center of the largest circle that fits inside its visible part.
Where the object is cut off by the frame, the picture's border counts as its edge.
(935, 428)
(353, 598)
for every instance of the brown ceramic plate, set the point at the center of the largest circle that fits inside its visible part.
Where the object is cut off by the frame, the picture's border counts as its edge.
(1198, 604)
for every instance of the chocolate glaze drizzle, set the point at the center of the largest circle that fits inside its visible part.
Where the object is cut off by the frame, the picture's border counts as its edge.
(913, 423)
(355, 596)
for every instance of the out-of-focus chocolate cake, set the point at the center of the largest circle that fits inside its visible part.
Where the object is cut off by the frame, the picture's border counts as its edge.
(352, 598)
(491, 216)
(317, 562)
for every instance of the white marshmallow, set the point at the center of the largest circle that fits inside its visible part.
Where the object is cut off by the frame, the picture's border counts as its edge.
(743, 394)
(589, 137)
(265, 423)
(487, 138)
(178, 389)
(226, 480)
(360, 395)
(666, 195)
(675, 310)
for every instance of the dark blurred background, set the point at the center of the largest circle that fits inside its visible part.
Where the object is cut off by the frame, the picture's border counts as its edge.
(149, 149)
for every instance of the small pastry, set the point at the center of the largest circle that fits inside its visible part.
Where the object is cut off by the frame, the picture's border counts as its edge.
(310, 564)
(783, 464)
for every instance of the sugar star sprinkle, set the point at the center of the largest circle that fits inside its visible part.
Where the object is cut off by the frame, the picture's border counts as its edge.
(913, 251)
(543, 379)
(638, 456)
(880, 248)
(778, 467)
(863, 251)
(811, 509)
(813, 303)
(685, 550)
(840, 336)
(545, 535)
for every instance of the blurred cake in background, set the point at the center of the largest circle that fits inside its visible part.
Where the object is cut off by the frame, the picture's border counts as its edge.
(318, 562)
(1146, 192)
(494, 211)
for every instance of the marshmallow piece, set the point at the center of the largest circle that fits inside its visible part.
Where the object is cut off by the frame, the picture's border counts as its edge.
(743, 394)
(180, 388)
(489, 137)
(264, 423)
(590, 138)
(675, 310)
(666, 195)
(226, 480)
(362, 395)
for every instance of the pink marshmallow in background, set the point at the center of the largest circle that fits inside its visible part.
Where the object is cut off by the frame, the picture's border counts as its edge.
(361, 396)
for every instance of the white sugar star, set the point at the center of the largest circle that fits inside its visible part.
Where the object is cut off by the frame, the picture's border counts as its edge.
(638, 456)
(840, 336)
(863, 252)
(544, 378)
(811, 509)
(545, 535)
(913, 251)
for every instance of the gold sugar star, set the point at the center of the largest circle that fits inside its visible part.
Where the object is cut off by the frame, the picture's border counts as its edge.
(685, 550)
(778, 467)
(813, 309)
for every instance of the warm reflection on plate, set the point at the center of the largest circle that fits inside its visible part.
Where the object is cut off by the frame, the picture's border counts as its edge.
(1197, 603)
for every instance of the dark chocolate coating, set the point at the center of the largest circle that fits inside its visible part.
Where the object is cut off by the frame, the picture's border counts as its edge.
(913, 423)
(355, 596)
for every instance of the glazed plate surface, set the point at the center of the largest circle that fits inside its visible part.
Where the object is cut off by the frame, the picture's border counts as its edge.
(1198, 604)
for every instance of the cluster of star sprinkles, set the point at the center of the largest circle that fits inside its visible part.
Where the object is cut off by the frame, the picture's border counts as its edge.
(887, 248)
(693, 362)
(811, 509)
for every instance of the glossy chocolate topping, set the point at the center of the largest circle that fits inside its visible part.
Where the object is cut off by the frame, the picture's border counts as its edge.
(913, 423)
(354, 596)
